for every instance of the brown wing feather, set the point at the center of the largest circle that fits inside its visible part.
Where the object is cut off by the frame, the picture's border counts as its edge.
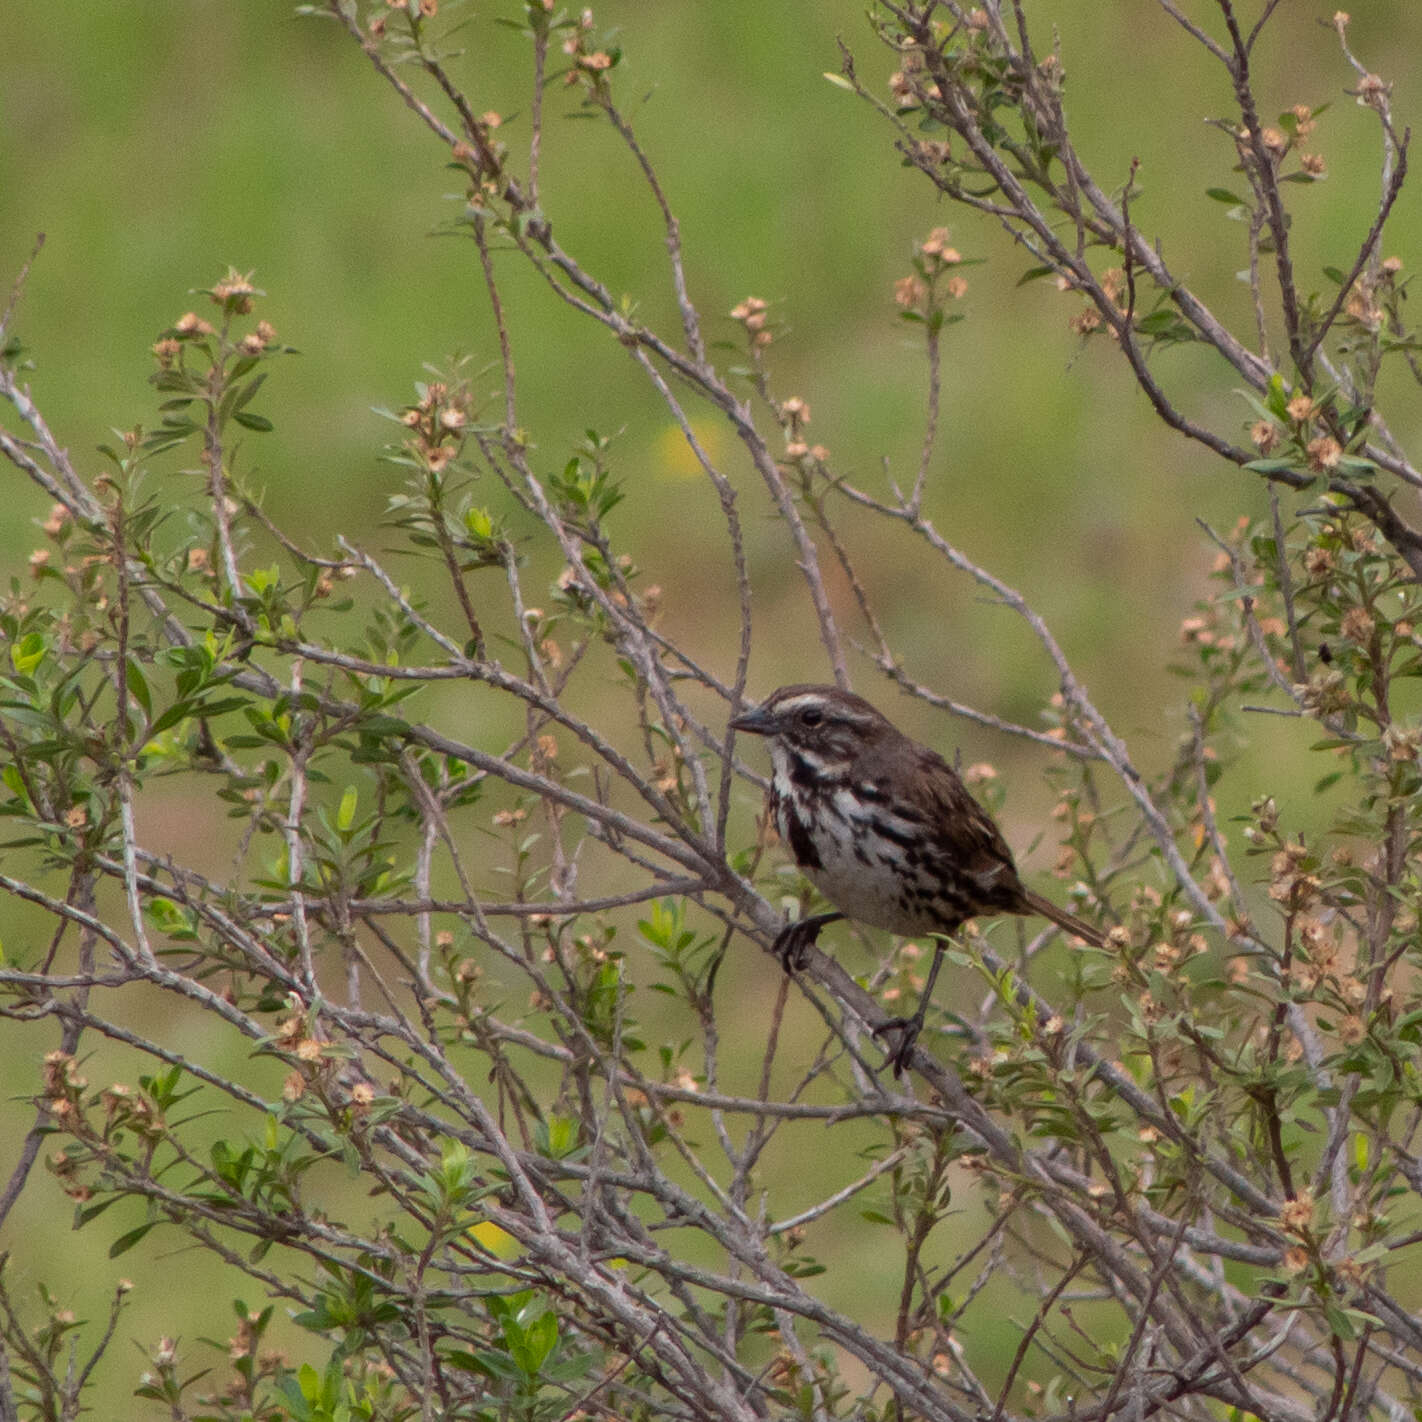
(968, 839)
(973, 842)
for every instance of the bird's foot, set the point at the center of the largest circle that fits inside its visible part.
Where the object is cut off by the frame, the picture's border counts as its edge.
(900, 1053)
(793, 943)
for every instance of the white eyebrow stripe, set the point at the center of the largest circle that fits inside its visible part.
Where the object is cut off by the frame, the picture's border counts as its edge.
(805, 698)
(835, 710)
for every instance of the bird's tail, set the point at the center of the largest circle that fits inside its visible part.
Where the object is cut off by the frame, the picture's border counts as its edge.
(1069, 921)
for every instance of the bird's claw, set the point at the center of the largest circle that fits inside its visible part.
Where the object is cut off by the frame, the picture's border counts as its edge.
(793, 943)
(900, 1054)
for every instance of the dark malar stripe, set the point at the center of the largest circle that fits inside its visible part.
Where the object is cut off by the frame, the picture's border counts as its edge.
(801, 845)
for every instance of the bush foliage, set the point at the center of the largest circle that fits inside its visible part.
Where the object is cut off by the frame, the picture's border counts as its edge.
(420, 1027)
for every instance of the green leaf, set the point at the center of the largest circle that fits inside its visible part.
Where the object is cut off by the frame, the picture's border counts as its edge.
(28, 653)
(1224, 195)
(138, 687)
(1276, 397)
(556, 1137)
(250, 389)
(531, 1343)
(125, 1242)
(248, 420)
(345, 815)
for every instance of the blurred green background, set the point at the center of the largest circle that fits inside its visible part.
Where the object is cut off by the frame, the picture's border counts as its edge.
(154, 144)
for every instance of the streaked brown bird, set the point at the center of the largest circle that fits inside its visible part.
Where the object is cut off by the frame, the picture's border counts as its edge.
(884, 828)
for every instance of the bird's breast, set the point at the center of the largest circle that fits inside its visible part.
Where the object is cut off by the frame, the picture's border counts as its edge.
(862, 855)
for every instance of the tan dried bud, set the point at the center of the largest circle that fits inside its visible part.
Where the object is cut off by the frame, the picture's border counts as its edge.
(1372, 92)
(235, 292)
(1324, 453)
(1364, 310)
(936, 250)
(1300, 408)
(1402, 743)
(935, 243)
(1351, 1029)
(910, 292)
(1296, 1216)
(1358, 624)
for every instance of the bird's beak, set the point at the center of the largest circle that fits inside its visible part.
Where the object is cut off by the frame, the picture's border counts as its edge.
(756, 720)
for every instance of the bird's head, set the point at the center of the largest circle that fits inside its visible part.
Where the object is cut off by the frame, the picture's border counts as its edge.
(818, 724)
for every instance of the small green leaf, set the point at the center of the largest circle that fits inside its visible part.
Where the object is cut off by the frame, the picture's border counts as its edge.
(138, 687)
(28, 653)
(345, 816)
(125, 1242)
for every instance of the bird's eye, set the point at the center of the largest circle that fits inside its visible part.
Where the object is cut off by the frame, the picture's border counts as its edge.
(811, 716)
